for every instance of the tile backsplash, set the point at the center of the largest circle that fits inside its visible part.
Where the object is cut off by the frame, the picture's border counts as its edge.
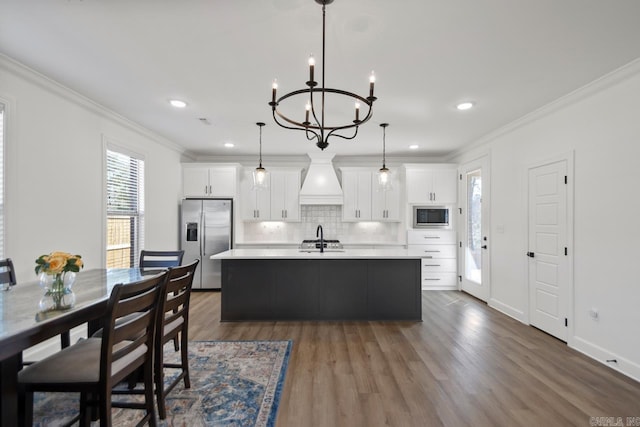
(330, 217)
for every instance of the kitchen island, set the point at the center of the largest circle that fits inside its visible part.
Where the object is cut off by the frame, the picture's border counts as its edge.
(289, 284)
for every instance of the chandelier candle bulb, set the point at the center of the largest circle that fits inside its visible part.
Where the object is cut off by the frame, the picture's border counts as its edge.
(357, 112)
(274, 87)
(372, 80)
(312, 63)
(307, 108)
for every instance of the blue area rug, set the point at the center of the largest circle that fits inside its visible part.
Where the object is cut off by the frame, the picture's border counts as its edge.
(233, 384)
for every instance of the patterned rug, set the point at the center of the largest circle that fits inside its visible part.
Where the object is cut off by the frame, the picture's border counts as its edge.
(233, 384)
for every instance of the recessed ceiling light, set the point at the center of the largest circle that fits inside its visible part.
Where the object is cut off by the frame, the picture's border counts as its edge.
(413, 147)
(464, 106)
(229, 144)
(177, 103)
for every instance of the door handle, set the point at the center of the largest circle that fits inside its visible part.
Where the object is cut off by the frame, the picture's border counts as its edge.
(531, 254)
(484, 246)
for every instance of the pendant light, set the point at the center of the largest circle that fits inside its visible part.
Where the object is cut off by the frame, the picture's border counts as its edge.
(384, 174)
(260, 173)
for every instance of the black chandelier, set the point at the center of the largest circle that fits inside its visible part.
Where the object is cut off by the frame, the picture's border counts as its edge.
(314, 124)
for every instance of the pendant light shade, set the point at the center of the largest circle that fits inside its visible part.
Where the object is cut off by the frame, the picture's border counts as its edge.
(384, 174)
(260, 174)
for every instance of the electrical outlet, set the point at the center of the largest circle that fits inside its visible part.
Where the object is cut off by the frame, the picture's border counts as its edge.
(593, 313)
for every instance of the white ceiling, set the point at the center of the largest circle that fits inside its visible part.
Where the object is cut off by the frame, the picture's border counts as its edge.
(510, 57)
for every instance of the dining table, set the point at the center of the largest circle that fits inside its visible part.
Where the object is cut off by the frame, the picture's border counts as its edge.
(23, 324)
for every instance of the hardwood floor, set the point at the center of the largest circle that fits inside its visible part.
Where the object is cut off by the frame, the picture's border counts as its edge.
(465, 364)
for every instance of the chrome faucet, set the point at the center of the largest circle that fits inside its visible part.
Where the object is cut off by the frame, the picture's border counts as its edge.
(321, 232)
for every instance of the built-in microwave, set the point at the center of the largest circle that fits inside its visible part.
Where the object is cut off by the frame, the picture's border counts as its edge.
(430, 216)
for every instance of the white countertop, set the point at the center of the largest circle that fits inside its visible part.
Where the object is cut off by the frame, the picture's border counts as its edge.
(398, 253)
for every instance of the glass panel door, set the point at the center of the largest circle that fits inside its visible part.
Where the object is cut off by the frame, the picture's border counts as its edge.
(473, 258)
(474, 227)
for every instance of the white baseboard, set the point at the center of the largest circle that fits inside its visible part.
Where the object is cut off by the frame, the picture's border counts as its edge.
(622, 365)
(508, 310)
(440, 288)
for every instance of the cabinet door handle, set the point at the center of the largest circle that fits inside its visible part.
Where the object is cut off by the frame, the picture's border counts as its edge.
(433, 251)
(427, 257)
(210, 190)
(431, 265)
(431, 237)
(426, 278)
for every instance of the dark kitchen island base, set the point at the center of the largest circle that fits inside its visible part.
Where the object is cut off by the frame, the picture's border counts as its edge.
(321, 289)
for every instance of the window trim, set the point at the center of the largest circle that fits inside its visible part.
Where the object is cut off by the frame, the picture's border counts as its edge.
(110, 144)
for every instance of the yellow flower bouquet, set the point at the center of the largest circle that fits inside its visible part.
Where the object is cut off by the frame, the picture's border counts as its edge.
(57, 273)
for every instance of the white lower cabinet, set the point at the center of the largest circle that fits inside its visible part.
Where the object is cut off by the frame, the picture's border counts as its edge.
(438, 251)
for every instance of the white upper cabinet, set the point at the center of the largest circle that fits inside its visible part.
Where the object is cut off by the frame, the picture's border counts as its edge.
(356, 186)
(285, 195)
(255, 204)
(385, 205)
(208, 181)
(278, 202)
(431, 184)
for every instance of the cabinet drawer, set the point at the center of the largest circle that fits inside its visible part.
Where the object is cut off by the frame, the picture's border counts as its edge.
(433, 251)
(444, 265)
(439, 281)
(422, 237)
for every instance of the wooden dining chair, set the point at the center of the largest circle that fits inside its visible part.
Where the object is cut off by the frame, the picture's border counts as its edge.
(160, 259)
(7, 274)
(95, 365)
(173, 322)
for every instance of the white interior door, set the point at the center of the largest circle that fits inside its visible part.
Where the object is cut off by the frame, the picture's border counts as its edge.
(549, 279)
(474, 228)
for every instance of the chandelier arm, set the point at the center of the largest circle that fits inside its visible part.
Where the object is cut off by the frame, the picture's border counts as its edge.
(355, 133)
(313, 112)
(275, 119)
(367, 101)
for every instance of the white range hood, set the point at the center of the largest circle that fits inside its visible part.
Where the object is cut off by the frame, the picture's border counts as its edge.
(321, 185)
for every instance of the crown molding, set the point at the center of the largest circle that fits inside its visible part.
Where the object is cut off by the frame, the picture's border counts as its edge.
(596, 86)
(20, 70)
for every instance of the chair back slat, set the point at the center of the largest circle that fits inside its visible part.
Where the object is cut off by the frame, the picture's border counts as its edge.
(175, 301)
(126, 343)
(160, 259)
(7, 272)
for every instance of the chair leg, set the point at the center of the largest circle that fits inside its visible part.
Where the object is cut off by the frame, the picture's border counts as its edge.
(105, 408)
(25, 407)
(158, 376)
(85, 412)
(148, 393)
(184, 359)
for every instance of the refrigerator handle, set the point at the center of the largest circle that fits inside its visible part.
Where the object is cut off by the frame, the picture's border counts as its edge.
(202, 235)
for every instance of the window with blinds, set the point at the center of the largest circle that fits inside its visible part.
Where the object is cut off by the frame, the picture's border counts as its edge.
(125, 209)
(2, 180)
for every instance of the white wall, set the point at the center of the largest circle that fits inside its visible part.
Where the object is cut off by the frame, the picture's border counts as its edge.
(600, 125)
(55, 175)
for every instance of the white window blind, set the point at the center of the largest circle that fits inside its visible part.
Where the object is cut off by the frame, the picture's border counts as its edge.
(125, 209)
(1, 180)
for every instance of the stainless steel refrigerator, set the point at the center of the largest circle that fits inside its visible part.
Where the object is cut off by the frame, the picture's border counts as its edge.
(207, 229)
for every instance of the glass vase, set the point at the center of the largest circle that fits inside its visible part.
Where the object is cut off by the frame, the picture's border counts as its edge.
(58, 293)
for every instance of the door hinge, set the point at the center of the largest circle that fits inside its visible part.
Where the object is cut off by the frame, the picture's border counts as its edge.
(460, 244)
(460, 209)
(460, 278)
(565, 179)
(566, 251)
(566, 322)
(460, 177)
